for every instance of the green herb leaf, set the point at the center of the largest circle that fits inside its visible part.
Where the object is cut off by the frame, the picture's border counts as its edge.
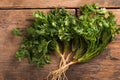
(58, 31)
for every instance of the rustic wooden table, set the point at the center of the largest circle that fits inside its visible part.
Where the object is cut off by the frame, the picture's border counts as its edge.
(18, 13)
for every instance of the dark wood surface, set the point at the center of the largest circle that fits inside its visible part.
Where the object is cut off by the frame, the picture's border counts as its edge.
(56, 3)
(18, 13)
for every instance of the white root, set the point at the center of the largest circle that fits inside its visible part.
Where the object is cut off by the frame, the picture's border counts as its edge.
(59, 74)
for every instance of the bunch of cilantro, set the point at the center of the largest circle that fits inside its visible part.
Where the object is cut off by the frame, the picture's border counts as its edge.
(74, 39)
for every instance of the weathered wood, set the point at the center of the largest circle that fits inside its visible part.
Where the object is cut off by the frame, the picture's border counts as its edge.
(12, 19)
(22, 17)
(56, 3)
(10, 68)
(104, 67)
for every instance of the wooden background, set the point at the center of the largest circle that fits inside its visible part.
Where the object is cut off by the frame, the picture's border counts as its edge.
(18, 13)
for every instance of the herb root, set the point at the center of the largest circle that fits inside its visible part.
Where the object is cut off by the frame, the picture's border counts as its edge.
(60, 73)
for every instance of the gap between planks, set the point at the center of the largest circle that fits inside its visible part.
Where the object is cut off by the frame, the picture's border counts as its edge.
(11, 8)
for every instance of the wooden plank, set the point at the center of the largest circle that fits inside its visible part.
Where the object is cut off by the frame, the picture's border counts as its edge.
(114, 45)
(10, 19)
(10, 68)
(104, 67)
(56, 3)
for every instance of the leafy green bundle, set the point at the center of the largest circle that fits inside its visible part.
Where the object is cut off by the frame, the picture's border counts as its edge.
(74, 39)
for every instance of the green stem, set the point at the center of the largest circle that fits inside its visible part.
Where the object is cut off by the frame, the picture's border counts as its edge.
(66, 47)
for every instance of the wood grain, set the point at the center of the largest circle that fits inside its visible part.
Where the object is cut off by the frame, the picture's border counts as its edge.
(10, 67)
(106, 66)
(56, 3)
(14, 19)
